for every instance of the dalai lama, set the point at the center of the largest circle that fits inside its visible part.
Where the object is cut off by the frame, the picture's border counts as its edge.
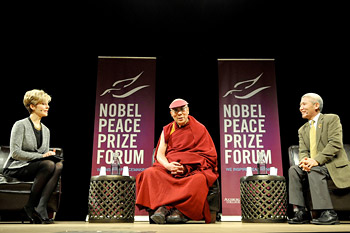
(185, 166)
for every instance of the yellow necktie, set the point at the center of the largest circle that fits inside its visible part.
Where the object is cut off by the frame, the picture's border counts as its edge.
(313, 149)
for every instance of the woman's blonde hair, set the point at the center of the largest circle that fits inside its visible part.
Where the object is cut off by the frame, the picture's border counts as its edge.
(35, 97)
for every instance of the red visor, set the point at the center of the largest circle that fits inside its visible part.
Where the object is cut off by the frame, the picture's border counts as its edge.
(178, 103)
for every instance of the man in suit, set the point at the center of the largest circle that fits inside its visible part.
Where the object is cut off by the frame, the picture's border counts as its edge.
(321, 155)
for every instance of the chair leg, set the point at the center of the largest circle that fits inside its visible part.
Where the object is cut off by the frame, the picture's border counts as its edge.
(213, 216)
(52, 214)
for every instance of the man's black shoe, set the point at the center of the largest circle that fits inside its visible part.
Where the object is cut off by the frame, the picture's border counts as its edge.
(176, 217)
(300, 217)
(328, 217)
(160, 215)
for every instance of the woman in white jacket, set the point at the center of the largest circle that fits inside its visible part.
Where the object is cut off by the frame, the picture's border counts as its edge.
(30, 156)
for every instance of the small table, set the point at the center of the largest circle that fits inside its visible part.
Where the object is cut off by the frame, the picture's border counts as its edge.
(112, 199)
(263, 198)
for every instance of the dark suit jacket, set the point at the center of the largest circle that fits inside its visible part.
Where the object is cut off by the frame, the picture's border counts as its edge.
(329, 139)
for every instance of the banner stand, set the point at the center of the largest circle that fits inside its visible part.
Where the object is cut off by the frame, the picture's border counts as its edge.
(124, 115)
(249, 125)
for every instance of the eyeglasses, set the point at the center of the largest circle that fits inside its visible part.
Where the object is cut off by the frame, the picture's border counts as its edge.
(180, 109)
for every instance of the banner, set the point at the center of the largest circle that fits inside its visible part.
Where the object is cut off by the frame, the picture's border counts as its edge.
(124, 114)
(249, 125)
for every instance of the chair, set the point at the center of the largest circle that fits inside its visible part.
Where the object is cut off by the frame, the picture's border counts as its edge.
(340, 197)
(14, 193)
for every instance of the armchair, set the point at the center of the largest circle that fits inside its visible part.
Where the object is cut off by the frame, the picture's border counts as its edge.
(340, 197)
(14, 193)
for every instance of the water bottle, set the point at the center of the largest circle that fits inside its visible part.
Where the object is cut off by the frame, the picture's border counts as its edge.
(261, 163)
(115, 167)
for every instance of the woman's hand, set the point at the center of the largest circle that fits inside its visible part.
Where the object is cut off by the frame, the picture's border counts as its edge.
(49, 153)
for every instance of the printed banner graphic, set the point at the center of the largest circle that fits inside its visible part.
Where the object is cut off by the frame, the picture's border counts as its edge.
(249, 124)
(124, 114)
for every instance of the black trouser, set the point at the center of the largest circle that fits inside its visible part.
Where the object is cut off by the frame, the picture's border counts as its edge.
(317, 180)
(45, 174)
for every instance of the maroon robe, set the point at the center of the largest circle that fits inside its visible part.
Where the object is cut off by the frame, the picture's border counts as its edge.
(191, 146)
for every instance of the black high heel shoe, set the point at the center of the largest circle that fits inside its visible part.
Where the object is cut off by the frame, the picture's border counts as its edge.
(46, 220)
(33, 216)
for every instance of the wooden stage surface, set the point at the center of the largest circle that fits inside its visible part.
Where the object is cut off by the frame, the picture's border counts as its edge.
(145, 227)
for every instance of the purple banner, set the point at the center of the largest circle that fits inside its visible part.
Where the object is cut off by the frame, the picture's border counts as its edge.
(124, 114)
(249, 125)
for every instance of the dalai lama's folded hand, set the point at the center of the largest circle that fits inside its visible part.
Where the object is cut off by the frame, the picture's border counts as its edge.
(176, 168)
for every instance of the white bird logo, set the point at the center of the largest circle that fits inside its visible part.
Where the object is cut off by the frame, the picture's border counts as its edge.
(250, 94)
(129, 81)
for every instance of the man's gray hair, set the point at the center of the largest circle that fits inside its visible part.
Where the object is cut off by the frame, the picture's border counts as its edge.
(315, 98)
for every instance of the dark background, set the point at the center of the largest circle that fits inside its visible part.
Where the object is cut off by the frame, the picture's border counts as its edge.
(54, 46)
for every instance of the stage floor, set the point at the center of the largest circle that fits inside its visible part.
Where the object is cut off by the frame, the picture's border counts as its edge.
(145, 227)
